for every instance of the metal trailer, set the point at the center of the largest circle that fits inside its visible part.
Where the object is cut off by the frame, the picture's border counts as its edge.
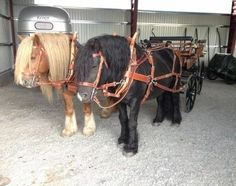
(36, 19)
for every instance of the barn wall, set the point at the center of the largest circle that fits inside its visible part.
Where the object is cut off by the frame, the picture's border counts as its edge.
(6, 56)
(92, 22)
(174, 24)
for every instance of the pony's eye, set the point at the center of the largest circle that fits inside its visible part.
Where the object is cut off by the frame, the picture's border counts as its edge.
(96, 62)
(94, 65)
(33, 57)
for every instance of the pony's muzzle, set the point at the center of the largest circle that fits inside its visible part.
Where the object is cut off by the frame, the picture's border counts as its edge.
(30, 82)
(86, 96)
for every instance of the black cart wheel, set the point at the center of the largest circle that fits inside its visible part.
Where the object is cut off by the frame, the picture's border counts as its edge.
(200, 77)
(191, 93)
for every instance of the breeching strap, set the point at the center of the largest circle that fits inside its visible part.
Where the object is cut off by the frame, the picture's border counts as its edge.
(150, 79)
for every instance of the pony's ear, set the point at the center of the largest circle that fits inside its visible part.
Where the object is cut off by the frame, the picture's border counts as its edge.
(132, 46)
(20, 37)
(133, 39)
(36, 40)
(73, 37)
(129, 39)
(96, 45)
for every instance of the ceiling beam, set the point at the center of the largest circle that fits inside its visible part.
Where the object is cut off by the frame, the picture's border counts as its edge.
(232, 29)
(134, 12)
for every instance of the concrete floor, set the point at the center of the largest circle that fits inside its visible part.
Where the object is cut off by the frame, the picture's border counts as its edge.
(202, 151)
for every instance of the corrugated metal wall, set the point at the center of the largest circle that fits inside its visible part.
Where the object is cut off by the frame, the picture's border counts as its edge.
(174, 24)
(92, 22)
(6, 58)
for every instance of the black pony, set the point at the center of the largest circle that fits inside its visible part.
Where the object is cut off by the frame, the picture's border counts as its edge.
(116, 58)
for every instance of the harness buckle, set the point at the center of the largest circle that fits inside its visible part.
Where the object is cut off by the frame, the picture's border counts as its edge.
(154, 82)
(120, 82)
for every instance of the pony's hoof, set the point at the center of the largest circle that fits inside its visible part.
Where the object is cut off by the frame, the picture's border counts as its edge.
(157, 121)
(121, 145)
(175, 124)
(68, 133)
(130, 150)
(176, 121)
(177, 118)
(156, 124)
(88, 132)
(128, 154)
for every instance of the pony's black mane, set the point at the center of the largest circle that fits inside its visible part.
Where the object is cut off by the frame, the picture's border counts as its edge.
(115, 49)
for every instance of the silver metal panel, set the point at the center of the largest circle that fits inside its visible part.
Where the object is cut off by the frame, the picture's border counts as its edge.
(6, 57)
(43, 19)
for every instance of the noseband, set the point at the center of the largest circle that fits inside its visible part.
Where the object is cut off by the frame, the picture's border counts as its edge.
(34, 73)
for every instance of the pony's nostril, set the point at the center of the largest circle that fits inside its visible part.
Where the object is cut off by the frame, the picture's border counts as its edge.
(24, 82)
(84, 95)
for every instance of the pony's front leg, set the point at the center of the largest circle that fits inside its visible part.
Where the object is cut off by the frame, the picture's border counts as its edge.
(89, 122)
(70, 119)
(123, 117)
(131, 148)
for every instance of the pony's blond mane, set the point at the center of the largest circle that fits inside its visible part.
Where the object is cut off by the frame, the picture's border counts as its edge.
(23, 58)
(57, 47)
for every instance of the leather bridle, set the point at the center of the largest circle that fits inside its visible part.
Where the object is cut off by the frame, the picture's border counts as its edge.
(36, 75)
(34, 72)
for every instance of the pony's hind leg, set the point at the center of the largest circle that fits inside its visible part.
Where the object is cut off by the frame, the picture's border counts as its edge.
(160, 114)
(176, 118)
(70, 119)
(89, 122)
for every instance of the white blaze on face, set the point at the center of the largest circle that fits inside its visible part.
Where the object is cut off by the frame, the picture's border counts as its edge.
(79, 97)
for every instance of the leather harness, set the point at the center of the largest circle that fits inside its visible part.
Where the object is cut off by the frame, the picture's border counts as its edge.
(131, 74)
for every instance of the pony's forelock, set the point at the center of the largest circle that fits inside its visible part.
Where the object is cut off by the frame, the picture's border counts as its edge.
(23, 57)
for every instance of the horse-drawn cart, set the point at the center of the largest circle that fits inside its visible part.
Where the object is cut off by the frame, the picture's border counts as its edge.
(189, 52)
